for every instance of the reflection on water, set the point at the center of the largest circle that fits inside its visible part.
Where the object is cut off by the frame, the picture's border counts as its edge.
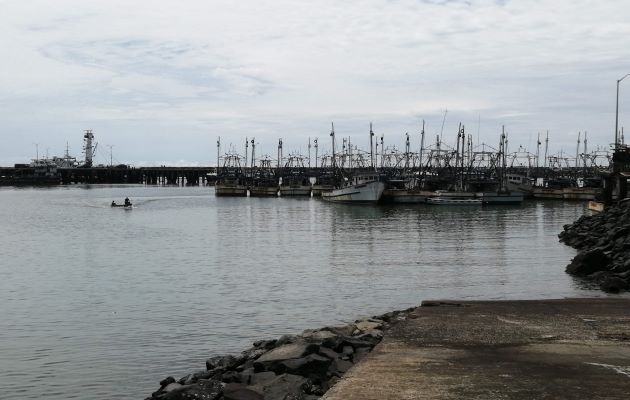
(103, 303)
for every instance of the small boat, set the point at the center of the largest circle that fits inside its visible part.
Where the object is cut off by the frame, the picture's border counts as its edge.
(359, 189)
(122, 205)
(126, 204)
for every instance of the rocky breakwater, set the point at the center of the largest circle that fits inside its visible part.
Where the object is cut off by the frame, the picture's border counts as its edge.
(293, 367)
(604, 243)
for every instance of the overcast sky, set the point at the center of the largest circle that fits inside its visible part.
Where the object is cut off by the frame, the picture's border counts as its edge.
(161, 80)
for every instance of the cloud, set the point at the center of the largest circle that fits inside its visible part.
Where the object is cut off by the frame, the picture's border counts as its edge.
(286, 68)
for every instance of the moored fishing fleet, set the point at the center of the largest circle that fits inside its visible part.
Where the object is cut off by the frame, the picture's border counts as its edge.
(437, 174)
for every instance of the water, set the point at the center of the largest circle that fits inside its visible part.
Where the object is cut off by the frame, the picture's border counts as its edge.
(103, 303)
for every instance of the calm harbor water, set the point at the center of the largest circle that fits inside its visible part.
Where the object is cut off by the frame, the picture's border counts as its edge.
(102, 303)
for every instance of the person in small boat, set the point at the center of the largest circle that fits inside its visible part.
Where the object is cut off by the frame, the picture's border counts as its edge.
(113, 203)
(127, 202)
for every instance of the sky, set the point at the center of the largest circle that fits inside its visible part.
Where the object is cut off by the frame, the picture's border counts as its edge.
(161, 81)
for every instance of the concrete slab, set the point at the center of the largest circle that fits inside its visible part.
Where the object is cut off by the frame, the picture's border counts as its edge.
(546, 349)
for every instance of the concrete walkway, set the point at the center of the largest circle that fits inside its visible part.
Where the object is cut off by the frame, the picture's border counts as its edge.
(549, 349)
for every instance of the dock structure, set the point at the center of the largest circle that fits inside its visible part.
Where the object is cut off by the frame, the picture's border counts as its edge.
(539, 349)
(177, 176)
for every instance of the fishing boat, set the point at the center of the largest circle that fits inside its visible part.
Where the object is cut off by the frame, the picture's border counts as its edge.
(264, 182)
(503, 194)
(230, 178)
(366, 187)
(358, 189)
(294, 181)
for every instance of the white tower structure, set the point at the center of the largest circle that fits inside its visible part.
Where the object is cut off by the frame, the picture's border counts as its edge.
(88, 149)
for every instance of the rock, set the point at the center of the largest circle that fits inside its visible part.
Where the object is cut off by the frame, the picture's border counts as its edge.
(329, 353)
(340, 367)
(202, 390)
(312, 366)
(347, 350)
(231, 377)
(172, 386)
(265, 344)
(227, 362)
(288, 351)
(589, 261)
(613, 284)
(345, 330)
(235, 391)
(318, 336)
(167, 381)
(262, 377)
(286, 339)
(253, 354)
(359, 342)
(194, 377)
(282, 386)
(364, 326)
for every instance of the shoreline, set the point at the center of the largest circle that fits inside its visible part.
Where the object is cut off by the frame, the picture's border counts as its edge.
(535, 341)
(303, 366)
(603, 242)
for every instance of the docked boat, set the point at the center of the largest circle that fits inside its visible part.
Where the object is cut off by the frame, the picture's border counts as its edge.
(264, 182)
(357, 189)
(230, 178)
(294, 181)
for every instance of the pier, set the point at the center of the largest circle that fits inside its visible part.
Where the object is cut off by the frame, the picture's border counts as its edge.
(175, 176)
(560, 349)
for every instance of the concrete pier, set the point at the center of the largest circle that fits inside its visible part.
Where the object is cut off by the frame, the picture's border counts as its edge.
(543, 349)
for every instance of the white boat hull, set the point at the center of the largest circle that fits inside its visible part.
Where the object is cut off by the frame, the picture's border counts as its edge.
(365, 193)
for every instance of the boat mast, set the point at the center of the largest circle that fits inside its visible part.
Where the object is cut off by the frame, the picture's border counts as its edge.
(407, 151)
(316, 147)
(421, 144)
(382, 152)
(279, 152)
(332, 135)
(371, 147)
(546, 148)
(246, 150)
(577, 151)
(461, 160)
(309, 152)
(253, 155)
(538, 151)
(459, 134)
(502, 160)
